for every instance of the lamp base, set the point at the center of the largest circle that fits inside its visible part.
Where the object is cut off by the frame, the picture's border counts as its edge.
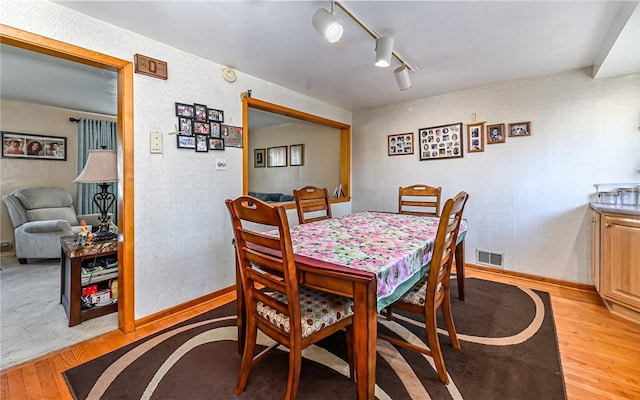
(104, 236)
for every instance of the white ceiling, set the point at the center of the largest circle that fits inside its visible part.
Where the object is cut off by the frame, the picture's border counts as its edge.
(454, 45)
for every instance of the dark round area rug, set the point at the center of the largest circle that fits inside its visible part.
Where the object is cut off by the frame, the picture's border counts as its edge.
(509, 351)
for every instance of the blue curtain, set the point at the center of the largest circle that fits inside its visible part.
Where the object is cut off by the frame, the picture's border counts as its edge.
(94, 134)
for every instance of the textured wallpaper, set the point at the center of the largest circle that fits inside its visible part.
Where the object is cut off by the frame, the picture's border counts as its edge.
(182, 231)
(528, 196)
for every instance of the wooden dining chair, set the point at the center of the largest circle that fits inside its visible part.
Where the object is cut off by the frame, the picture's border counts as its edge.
(315, 200)
(419, 200)
(291, 314)
(432, 291)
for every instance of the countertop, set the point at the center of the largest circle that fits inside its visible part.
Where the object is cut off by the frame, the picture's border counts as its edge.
(615, 209)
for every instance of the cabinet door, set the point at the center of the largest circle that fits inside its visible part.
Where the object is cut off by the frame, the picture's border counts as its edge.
(595, 249)
(620, 259)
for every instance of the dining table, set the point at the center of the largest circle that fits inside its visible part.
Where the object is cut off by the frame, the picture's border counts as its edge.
(371, 257)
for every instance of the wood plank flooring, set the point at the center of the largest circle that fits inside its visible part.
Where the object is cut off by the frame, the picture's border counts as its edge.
(600, 353)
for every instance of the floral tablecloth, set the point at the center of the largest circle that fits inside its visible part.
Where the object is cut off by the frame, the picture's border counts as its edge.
(396, 247)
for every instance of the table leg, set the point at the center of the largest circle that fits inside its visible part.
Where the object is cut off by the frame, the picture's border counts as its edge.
(365, 332)
(460, 269)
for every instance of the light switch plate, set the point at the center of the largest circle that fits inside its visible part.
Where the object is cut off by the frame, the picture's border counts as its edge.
(156, 142)
(221, 163)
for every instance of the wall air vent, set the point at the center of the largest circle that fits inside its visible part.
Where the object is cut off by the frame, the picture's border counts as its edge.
(490, 258)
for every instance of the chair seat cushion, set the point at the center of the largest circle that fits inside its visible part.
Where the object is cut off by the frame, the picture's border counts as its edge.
(317, 310)
(418, 293)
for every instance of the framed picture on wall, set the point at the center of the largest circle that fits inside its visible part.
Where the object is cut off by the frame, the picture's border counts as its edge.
(495, 134)
(259, 158)
(202, 143)
(215, 130)
(475, 137)
(215, 115)
(438, 142)
(232, 135)
(185, 126)
(520, 129)
(216, 144)
(186, 142)
(200, 112)
(277, 156)
(184, 110)
(201, 128)
(400, 144)
(296, 155)
(34, 147)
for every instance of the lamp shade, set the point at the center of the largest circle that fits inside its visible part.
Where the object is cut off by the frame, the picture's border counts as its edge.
(384, 48)
(101, 166)
(402, 77)
(327, 24)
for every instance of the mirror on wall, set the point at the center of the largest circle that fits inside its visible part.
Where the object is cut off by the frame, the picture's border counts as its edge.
(298, 153)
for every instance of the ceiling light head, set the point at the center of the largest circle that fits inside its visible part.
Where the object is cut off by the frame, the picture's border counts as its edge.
(384, 49)
(327, 24)
(402, 77)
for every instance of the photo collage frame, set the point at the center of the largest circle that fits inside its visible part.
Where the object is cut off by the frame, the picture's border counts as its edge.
(199, 127)
(438, 142)
(400, 144)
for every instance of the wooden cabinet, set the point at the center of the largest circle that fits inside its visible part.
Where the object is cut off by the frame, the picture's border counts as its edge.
(71, 280)
(595, 249)
(616, 262)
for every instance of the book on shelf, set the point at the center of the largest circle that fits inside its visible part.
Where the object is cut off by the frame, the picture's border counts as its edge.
(96, 274)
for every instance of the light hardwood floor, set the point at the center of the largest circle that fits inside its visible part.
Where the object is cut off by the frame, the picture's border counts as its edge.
(600, 353)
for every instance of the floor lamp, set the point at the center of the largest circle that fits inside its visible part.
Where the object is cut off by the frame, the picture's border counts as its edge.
(101, 168)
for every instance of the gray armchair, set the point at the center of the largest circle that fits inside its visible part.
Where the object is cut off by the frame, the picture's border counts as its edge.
(40, 216)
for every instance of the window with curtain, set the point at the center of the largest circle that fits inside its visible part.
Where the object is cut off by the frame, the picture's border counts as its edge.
(94, 134)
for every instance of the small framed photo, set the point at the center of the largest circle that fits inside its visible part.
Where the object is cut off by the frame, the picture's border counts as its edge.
(277, 156)
(438, 142)
(202, 128)
(259, 158)
(186, 142)
(400, 144)
(184, 110)
(495, 134)
(520, 129)
(34, 147)
(202, 143)
(475, 137)
(296, 155)
(215, 115)
(216, 144)
(185, 126)
(200, 112)
(232, 135)
(215, 130)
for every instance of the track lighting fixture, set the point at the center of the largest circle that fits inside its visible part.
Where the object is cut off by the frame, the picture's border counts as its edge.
(384, 50)
(327, 24)
(402, 77)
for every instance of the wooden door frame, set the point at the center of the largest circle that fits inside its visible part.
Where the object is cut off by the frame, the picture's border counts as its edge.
(124, 70)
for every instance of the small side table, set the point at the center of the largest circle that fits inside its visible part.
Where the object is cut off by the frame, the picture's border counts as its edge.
(71, 258)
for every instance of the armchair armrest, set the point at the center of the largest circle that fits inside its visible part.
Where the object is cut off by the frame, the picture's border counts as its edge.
(54, 225)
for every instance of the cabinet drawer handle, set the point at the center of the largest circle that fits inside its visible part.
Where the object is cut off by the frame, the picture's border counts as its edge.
(608, 225)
